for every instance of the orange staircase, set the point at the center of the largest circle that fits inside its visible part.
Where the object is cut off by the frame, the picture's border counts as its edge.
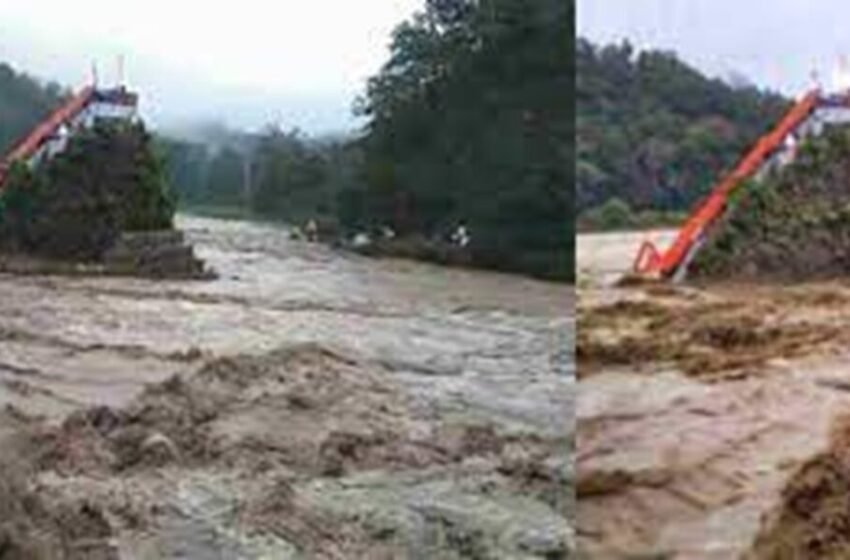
(27, 147)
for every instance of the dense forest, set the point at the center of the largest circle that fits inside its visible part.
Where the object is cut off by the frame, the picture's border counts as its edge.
(653, 133)
(275, 174)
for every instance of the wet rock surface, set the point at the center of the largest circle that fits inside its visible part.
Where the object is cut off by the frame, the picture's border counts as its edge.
(156, 254)
(304, 404)
(153, 254)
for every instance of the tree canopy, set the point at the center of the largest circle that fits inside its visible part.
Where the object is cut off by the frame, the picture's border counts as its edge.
(470, 121)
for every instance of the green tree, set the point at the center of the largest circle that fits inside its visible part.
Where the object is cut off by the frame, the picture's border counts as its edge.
(225, 179)
(470, 121)
(289, 177)
(612, 215)
(187, 167)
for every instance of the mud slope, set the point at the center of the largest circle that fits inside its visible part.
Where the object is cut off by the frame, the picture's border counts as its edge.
(793, 225)
(813, 516)
(304, 404)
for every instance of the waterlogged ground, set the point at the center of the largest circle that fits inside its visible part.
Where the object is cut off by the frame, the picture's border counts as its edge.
(306, 404)
(712, 419)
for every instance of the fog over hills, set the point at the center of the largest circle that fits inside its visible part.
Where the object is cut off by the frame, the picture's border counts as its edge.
(245, 64)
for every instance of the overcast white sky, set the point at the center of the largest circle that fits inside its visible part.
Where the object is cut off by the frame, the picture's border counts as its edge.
(247, 62)
(775, 43)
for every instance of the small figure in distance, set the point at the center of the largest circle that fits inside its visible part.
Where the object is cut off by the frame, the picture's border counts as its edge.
(361, 240)
(461, 236)
(312, 230)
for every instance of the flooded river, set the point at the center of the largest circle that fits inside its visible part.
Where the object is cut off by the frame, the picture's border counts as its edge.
(713, 418)
(387, 408)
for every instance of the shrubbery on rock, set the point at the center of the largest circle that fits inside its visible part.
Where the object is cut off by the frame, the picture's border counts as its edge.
(107, 181)
(793, 224)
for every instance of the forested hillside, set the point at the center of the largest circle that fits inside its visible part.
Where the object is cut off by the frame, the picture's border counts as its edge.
(653, 132)
(24, 101)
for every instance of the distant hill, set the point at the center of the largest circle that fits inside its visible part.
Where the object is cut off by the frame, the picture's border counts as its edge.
(653, 132)
(24, 101)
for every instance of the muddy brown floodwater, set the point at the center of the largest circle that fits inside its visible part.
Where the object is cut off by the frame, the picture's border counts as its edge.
(305, 404)
(713, 419)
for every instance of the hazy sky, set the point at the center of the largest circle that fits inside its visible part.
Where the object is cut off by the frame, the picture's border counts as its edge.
(248, 62)
(775, 43)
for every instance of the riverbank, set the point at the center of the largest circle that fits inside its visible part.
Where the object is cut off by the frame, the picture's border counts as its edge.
(556, 267)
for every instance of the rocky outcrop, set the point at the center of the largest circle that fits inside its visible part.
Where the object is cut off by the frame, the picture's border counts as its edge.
(158, 254)
(154, 254)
